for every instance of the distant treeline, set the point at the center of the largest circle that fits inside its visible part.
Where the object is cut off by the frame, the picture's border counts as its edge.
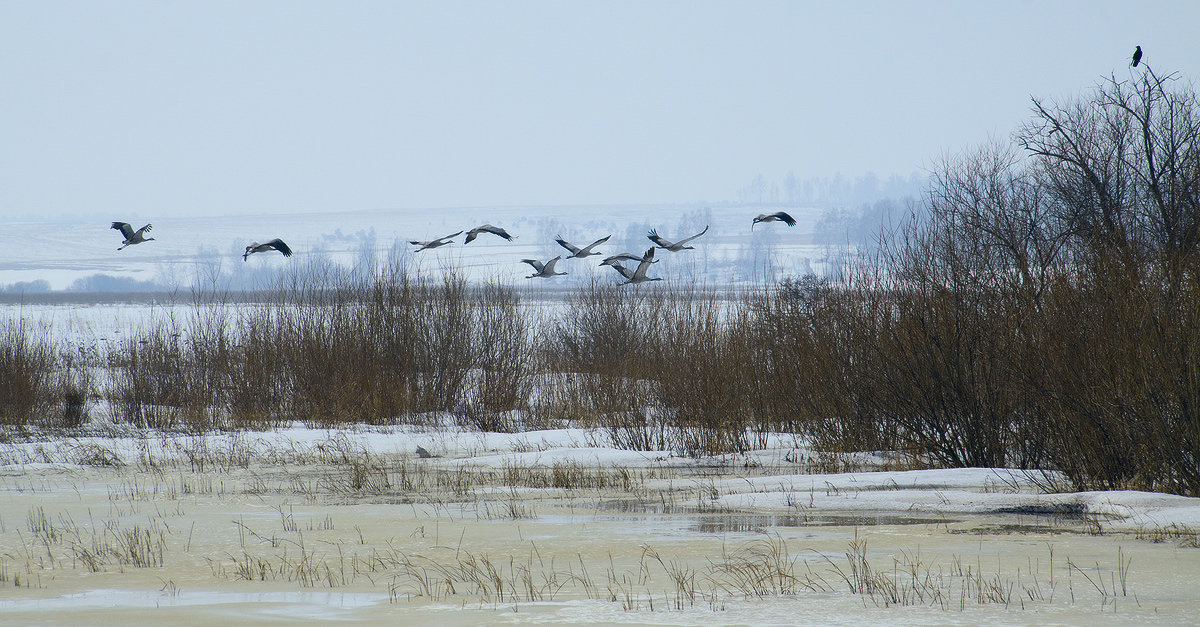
(835, 192)
(38, 286)
(93, 283)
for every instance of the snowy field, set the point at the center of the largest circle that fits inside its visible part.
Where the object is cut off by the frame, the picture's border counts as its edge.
(558, 527)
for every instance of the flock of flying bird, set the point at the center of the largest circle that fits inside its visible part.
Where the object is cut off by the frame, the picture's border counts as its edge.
(547, 269)
(137, 237)
(542, 270)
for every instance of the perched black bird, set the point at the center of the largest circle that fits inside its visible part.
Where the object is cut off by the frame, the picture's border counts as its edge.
(1137, 56)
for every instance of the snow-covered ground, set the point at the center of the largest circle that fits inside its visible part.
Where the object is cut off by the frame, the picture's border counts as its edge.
(558, 527)
(765, 484)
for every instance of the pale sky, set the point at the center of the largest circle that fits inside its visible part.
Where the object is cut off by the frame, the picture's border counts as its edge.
(214, 108)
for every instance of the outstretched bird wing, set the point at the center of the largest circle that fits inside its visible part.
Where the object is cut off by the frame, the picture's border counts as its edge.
(621, 257)
(124, 228)
(684, 241)
(640, 273)
(279, 245)
(537, 265)
(495, 230)
(653, 236)
(487, 228)
(594, 244)
(565, 244)
(550, 264)
(625, 272)
(448, 236)
(787, 219)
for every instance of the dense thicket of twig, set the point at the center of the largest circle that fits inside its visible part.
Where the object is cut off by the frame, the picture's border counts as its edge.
(1043, 309)
(26, 371)
(332, 349)
(41, 383)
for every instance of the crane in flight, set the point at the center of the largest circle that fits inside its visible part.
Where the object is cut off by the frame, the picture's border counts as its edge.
(612, 261)
(487, 228)
(275, 244)
(579, 253)
(673, 246)
(543, 270)
(639, 275)
(434, 243)
(625, 272)
(131, 236)
(781, 216)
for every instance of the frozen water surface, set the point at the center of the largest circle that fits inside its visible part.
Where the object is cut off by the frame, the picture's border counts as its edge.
(485, 534)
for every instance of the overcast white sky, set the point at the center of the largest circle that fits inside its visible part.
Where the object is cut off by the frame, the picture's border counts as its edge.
(186, 108)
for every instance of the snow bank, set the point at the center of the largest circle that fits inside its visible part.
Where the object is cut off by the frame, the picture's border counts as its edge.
(767, 483)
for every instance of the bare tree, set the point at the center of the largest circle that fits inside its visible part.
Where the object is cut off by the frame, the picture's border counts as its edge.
(1123, 170)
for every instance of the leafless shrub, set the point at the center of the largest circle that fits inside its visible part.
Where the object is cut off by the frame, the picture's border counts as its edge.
(815, 344)
(27, 368)
(600, 345)
(1120, 334)
(1039, 309)
(503, 362)
(157, 383)
(708, 387)
(332, 348)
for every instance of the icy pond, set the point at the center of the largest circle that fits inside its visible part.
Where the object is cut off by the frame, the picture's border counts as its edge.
(555, 527)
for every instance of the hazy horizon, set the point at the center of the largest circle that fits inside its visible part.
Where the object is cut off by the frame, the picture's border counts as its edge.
(120, 109)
